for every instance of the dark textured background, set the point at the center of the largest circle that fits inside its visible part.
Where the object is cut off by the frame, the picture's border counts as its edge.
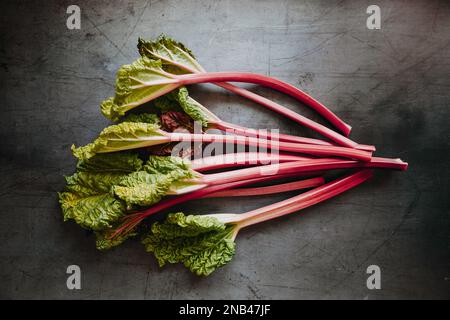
(392, 85)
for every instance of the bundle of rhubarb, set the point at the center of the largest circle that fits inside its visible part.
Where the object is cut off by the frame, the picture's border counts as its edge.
(160, 154)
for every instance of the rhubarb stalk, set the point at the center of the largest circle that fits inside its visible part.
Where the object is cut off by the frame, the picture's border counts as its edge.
(259, 191)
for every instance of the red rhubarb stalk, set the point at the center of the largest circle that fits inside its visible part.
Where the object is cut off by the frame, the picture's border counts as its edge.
(277, 188)
(276, 145)
(301, 166)
(303, 200)
(271, 83)
(223, 161)
(232, 128)
(319, 164)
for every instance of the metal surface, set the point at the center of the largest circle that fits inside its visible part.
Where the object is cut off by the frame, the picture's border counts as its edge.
(392, 85)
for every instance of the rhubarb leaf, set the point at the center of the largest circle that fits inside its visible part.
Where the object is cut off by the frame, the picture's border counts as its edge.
(142, 188)
(179, 100)
(87, 183)
(168, 164)
(89, 202)
(159, 175)
(114, 162)
(123, 136)
(202, 244)
(110, 110)
(150, 118)
(88, 199)
(176, 58)
(91, 212)
(173, 54)
(176, 121)
(180, 225)
(193, 108)
(105, 241)
(137, 83)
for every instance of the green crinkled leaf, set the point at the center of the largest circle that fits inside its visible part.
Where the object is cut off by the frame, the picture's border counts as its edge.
(86, 183)
(167, 102)
(202, 244)
(136, 83)
(194, 109)
(173, 54)
(159, 175)
(176, 58)
(107, 185)
(167, 164)
(150, 118)
(179, 100)
(104, 241)
(191, 107)
(114, 162)
(122, 136)
(179, 225)
(142, 188)
(94, 212)
(88, 200)
(110, 110)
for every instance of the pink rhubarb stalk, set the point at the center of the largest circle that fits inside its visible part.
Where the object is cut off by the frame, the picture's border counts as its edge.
(270, 82)
(299, 202)
(276, 145)
(223, 161)
(238, 130)
(277, 188)
(301, 166)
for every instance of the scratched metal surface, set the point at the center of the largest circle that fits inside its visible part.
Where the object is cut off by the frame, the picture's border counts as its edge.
(391, 85)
